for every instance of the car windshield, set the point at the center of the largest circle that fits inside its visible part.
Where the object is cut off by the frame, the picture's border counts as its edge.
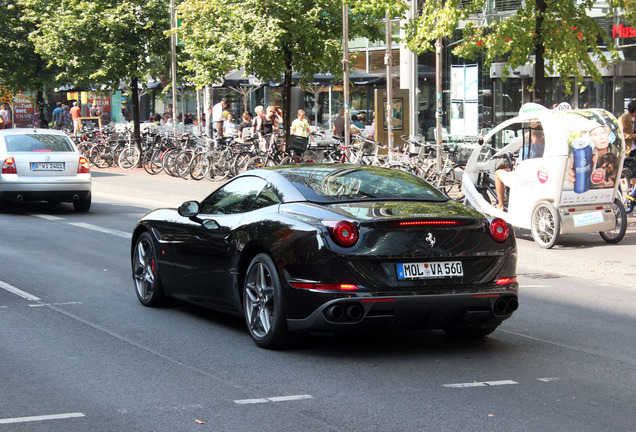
(329, 183)
(38, 142)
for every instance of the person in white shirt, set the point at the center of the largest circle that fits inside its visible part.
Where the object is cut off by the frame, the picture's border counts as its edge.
(217, 116)
(229, 127)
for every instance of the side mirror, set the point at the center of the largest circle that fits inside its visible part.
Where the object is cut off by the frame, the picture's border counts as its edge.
(189, 209)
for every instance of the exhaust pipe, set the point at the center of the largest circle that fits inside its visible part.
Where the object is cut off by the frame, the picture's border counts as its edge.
(505, 306)
(335, 313)
(500, 307)
(513, 304)
(354, 312)
(20, 198)
(75, 197)
(344, 313)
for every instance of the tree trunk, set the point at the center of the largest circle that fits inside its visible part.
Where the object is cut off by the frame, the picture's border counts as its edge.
(539, 50)
(287, 90)
(39, 103)
(134, 84)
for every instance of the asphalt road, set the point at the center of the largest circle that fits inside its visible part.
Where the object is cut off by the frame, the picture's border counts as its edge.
(79, 353)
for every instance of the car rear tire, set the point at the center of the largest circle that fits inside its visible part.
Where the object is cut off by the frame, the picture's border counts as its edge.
(471, 331)
(83, 204)
(263, 304)
(145, 273)
(546, 224)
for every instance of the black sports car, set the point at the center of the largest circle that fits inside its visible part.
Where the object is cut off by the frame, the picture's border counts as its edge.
(330, 248)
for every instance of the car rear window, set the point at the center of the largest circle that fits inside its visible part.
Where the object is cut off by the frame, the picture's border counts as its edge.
(350, 182)
(38, 142)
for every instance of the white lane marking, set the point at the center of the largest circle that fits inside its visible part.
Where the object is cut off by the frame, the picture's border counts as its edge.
(535, 286)
(102, 229)
(548, 379)
(273, 399)
(53, 304)
(48, 217)
(480, 384)
(250, 401)
(41, 418)
(25, 295)
(289, 398)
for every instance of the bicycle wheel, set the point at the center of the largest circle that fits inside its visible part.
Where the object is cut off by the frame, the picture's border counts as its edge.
(617, 234)
(546, 224)
(129, 158)
(219, 165)
(452, 183)
(100, 156)
(182, 163)
(256, 162)
(152, 162)
(169, 160)
(199, 167)
(240, 161)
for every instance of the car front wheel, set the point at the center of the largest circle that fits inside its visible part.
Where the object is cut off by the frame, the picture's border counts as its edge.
(263, 304)
(145, 273)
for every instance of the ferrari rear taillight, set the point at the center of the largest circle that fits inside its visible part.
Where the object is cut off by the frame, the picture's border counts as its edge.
(321, 286)
(83, 167)
(8, 166)
(499, 229)
(506, 281)
(344, 233)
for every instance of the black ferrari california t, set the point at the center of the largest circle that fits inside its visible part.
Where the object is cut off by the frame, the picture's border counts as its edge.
(330, 248)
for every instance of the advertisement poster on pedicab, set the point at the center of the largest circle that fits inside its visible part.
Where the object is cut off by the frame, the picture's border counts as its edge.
(595, 153)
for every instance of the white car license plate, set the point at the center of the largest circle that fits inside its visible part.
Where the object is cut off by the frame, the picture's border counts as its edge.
(426, 270)
(47, 166)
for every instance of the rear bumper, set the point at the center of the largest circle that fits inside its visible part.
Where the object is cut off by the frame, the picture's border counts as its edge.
(67, 191)
(409, 312)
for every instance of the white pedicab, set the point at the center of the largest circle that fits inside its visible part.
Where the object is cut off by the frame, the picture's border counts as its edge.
(567, 184)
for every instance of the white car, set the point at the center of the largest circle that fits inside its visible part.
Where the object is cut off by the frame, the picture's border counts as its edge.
(43, 165)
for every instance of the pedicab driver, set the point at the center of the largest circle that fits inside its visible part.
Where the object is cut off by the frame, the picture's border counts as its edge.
(504, 175)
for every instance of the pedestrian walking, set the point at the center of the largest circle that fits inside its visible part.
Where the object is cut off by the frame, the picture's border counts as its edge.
(56, 115)
(75, 115)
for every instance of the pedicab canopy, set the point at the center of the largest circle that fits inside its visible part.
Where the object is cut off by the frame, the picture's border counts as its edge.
(579, 163)
(583, 147)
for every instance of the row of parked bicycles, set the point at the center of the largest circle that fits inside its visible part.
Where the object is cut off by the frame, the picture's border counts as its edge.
(198, 157)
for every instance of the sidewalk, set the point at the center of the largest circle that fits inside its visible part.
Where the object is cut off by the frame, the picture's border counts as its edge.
(139, 187)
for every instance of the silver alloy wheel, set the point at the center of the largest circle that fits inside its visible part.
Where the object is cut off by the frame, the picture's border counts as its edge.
(259, 300)
(144, 271)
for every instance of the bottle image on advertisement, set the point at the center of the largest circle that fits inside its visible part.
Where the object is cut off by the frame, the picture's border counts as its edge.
(582, 153)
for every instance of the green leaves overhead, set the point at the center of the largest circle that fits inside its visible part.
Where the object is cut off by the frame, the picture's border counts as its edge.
(102, 41)
(561, 32)
(265, 37)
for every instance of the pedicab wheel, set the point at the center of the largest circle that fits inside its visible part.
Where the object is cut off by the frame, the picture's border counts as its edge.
(617, 234)
(546, 224)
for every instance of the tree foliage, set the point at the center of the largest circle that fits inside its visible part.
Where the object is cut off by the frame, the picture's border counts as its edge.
(560, 34)
(267, 38)
(102, 42)
(21, 67)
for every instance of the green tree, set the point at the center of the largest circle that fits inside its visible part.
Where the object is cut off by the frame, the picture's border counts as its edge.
(21, 67)
(102, 42)
(560, 34)
(268, 38)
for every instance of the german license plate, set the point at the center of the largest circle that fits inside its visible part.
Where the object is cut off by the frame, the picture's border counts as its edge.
(47, 166)
(426, 270)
